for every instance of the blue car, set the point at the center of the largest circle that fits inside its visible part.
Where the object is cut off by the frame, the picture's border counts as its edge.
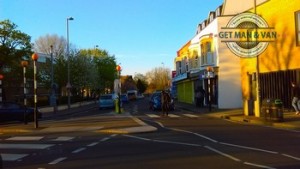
(107, 101)
(155, 102)
(124, 98)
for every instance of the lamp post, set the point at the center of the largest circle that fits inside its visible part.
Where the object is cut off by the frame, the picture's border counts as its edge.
(52, 96)
(35, 58)
(68, 84)
(1, 77)
(118, 68)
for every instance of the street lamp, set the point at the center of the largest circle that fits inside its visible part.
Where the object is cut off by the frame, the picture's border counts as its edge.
(1, 77)
(35, 58)
(118, 68)
(52, 96)
(68, 84)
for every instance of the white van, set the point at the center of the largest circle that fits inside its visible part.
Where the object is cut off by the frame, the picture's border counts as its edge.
(132, 94)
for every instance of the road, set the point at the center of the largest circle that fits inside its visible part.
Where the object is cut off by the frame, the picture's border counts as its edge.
(183, 140)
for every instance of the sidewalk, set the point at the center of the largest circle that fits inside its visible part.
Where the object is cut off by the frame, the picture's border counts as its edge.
(108, 123)
(291, 120)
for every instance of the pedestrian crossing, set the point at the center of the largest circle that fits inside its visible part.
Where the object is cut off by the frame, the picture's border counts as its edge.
(171, 115)
(19, 144)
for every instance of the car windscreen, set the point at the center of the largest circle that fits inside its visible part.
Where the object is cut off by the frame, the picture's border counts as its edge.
(106, 97)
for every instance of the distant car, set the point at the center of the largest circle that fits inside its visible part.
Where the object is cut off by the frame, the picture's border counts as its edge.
(107, 101)
(124, 98)
(132, 94)
(155, 101)
(12, 111)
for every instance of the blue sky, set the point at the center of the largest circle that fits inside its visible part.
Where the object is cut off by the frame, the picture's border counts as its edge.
(142, 34)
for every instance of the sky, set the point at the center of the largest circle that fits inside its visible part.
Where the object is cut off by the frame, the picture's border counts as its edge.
(141, 34)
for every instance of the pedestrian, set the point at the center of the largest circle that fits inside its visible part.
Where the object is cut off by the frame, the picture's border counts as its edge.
(296, 97)
(202, 96)
(165, 103)
(197, 98)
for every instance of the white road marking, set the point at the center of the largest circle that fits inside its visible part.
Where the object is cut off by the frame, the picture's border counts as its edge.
(205, 137)
(250, 148)
(105, 139)
(58, 160)
(25, 138)
(173, 116)
(190, 115)
(25, 146)
(153, 115)
(12, 157)
(179, 143)
(293, 157)
(258, 165)
(140, 122)
(78, 150)
(62, 138)
(93, 144)
(221, 153)
(136, 137)
(200, 135)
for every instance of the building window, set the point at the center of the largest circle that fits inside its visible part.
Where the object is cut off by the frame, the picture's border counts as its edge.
(186, 64)
(297, 18)
(179, 65)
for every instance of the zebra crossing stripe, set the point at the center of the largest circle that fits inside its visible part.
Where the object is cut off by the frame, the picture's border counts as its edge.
(25, 146)
(25, 138)
(173, 116)
(190, 115)
(12, 157)
(153, 115)
(62, 138)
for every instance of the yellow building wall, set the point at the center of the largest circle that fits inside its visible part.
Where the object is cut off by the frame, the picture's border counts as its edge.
(282, 54)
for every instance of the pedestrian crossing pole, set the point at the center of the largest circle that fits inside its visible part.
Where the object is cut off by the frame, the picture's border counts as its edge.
(35, 58)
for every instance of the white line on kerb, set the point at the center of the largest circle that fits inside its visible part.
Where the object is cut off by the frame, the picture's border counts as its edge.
(57, 160)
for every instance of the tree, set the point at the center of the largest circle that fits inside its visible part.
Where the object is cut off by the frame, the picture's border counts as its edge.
(127, 83)
(141, 82)
(103, 73)
(158, 78)
(14, 47)
(43, 43)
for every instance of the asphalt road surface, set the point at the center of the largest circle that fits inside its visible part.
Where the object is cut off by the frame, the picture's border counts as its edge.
(183, 140)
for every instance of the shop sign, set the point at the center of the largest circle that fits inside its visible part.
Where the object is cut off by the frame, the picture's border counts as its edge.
(247, 35)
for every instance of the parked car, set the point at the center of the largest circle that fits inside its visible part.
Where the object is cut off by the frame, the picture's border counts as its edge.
(124, 98)
(12, 111)
(155, 101)
(107, 101)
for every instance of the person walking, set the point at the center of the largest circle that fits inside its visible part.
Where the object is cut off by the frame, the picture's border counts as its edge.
(296, 97)
(165, 103)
